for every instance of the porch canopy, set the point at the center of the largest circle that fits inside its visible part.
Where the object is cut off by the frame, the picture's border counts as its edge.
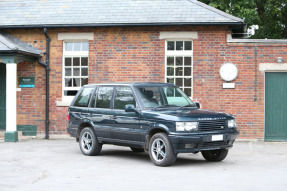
(12, 52)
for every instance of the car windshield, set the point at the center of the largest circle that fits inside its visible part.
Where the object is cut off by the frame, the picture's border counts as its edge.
(163, 97)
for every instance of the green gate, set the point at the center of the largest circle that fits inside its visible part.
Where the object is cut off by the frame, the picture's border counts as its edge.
(2, 96)
(276, 106)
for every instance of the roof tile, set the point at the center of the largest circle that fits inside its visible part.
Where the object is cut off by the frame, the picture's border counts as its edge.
(73, 12)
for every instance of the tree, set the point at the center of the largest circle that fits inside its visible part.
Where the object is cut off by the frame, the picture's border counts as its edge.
(269, 15)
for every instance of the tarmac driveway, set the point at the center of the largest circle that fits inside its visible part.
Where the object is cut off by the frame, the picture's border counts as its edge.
(52, 165)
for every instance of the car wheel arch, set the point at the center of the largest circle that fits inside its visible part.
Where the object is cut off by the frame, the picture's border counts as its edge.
(81, 127)
(152, 131)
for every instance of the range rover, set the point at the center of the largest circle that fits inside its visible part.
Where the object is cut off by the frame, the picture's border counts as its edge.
(154, 117)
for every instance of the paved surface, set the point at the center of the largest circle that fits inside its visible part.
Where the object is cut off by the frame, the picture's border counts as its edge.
(46, 165)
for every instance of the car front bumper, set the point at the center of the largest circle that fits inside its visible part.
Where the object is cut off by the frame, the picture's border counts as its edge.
(192, 143)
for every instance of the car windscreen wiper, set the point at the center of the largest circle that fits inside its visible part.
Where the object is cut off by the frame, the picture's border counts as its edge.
(189, 105)
(165, 106)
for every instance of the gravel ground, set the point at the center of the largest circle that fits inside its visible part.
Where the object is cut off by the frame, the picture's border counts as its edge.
(47, 165)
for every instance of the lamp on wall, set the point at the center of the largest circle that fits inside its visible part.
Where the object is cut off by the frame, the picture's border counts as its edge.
(279, 59)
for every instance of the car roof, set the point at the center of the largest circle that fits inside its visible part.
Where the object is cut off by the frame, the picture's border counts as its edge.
(130, 84)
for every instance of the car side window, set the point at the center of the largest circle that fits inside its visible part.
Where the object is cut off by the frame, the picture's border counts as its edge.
(104, 96)
(123, 96)
(84, 98)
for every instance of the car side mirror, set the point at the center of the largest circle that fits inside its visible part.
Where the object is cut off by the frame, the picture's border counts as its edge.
(130, 108)
(197, 105)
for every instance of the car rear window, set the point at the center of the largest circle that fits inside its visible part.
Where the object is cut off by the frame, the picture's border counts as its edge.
(104, 97)
(84, 98)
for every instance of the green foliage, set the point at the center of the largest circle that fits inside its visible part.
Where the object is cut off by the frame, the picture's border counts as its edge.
(269, 15)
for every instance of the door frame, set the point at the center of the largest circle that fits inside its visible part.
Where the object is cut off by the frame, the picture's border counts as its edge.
(4, 129)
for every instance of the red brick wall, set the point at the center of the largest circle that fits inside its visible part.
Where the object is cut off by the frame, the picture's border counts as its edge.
(137, 54)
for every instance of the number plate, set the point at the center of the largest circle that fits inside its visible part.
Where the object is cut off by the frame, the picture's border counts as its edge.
(217, 137)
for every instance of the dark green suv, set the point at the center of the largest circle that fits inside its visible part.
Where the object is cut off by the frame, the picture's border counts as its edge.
(154, 117)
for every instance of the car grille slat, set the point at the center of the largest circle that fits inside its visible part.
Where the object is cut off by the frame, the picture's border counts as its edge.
(212, 125)
(213, 144)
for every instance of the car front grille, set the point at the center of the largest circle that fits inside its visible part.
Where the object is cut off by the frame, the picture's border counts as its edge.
(212, 125)
(213, 144)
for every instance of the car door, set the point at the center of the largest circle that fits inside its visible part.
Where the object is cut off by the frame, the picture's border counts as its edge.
(125, 126)
(100, 112)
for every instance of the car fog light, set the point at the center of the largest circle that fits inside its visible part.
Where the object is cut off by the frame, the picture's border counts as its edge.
(189, 146)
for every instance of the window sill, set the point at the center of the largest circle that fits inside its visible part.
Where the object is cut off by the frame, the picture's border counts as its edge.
(64, 103)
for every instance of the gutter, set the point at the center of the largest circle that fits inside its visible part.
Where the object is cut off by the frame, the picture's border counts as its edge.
(46, 65)
(19, 52)
(123, 25)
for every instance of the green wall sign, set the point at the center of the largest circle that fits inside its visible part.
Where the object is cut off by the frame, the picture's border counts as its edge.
(26, 82)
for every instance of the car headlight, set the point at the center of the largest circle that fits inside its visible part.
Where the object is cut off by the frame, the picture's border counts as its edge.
(186, 126)
(232, 123)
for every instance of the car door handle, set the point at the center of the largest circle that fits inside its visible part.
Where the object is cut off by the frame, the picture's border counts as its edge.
(114, 117)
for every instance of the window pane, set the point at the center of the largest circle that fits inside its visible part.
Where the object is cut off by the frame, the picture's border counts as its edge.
(178, 82)
(187, 82)
(170, 80)
(76, 82)
(76, 61)
(124, 96)
(187, 91)
(76, 72)
(84, 97)
(187, 45)
(170, 71)
(187, 61)
(178, 71)
(68, 82)
(84, 81)
(170, 45)
(68, 62)
(69, 46)
(68, 72)
(179, 45)
(104, 97)
(85, 46)
(187, 71)
(179, 61)
(77, 46)
(70, 92)
(84, 72)
(170, 61)
(84, 61)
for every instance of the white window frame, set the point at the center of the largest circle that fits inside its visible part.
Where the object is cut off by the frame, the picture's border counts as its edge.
(71, 37)
(174, 53)
(71, 54)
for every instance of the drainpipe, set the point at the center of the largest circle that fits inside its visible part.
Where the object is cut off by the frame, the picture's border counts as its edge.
(46, 65)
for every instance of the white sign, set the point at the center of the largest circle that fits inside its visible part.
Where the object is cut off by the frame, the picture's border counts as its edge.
(228, 85)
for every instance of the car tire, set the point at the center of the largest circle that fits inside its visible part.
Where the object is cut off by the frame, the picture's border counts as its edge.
(137, 150)
(88, 142)
(215, 155)
(161, 151)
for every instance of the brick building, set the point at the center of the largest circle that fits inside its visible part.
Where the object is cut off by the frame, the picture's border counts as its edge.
(183, 42)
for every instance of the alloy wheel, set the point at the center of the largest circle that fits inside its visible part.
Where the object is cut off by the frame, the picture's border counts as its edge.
(158, 150)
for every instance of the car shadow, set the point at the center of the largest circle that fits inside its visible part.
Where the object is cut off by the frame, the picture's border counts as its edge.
(126, 154)
(143, 156)
(189, 162)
